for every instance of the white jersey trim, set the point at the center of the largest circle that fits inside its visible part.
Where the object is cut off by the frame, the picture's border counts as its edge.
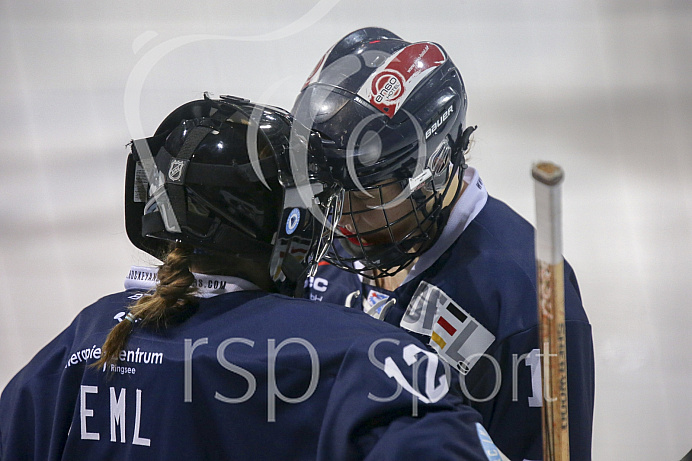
(145, 278)
(469, 204)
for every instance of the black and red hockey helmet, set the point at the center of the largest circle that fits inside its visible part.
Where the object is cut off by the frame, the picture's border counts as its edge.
(227, 176)
(388, 110)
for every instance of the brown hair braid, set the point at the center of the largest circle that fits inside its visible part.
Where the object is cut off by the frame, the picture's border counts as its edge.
(175, 294)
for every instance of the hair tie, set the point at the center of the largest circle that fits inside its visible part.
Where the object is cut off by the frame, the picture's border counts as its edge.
(131, 318)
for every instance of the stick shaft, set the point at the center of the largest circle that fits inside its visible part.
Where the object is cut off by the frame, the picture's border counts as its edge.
(551, 310)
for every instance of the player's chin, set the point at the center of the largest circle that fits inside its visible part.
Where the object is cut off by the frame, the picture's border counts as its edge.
(365, 239)
(362, 250)
(376, 256)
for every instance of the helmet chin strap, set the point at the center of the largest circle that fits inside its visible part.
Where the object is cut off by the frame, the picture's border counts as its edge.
(454, 184)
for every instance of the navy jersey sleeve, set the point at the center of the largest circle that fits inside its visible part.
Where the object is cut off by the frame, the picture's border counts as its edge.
(390, 401)
(34, 404)
(30, 402)
(506, 389)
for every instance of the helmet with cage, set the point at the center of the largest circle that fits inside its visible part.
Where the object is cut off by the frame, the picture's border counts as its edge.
(219, 175)
(391, 118)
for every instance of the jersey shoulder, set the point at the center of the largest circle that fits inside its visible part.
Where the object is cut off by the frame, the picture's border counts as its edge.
(95, 320)
(490, 272)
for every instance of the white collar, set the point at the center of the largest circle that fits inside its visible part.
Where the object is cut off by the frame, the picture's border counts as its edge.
(145, 278)
(469, 204)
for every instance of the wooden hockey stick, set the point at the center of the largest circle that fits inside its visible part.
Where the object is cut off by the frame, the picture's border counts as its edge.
(551, 309)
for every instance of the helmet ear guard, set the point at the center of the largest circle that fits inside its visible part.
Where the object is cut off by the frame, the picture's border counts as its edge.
(198, 181)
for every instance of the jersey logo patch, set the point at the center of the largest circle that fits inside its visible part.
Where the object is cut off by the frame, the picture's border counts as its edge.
(374, 298)
(456, 336)
(376, 304)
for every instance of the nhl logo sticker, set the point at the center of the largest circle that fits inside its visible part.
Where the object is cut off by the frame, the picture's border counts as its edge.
(439, 160)
(176, 170)
(292, 221)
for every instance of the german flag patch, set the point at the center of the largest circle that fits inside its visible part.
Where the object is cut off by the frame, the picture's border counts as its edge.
(456, 336)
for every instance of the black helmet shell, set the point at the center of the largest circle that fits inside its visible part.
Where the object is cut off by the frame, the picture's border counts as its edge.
(219, 175)
(382, 105)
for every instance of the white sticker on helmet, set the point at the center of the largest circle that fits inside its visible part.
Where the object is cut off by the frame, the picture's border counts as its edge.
(292, 221)
(389, 86)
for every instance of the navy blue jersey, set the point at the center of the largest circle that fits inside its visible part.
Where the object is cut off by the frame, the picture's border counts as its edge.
(249, 375)
(474, 302)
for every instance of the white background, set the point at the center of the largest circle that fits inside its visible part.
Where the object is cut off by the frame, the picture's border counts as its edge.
(601, 87)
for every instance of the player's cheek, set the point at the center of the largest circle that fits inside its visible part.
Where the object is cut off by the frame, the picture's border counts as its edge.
(370, 220)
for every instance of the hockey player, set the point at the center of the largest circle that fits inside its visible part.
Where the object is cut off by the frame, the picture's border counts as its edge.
(422, 245)
(203, 358)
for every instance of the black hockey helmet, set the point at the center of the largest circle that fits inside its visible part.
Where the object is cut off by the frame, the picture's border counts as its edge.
(388, 111)
(221, 176)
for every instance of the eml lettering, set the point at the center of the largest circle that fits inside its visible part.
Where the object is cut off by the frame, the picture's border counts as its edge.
(117, 416)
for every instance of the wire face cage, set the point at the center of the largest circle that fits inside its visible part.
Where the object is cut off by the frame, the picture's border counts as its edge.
(384, 228)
